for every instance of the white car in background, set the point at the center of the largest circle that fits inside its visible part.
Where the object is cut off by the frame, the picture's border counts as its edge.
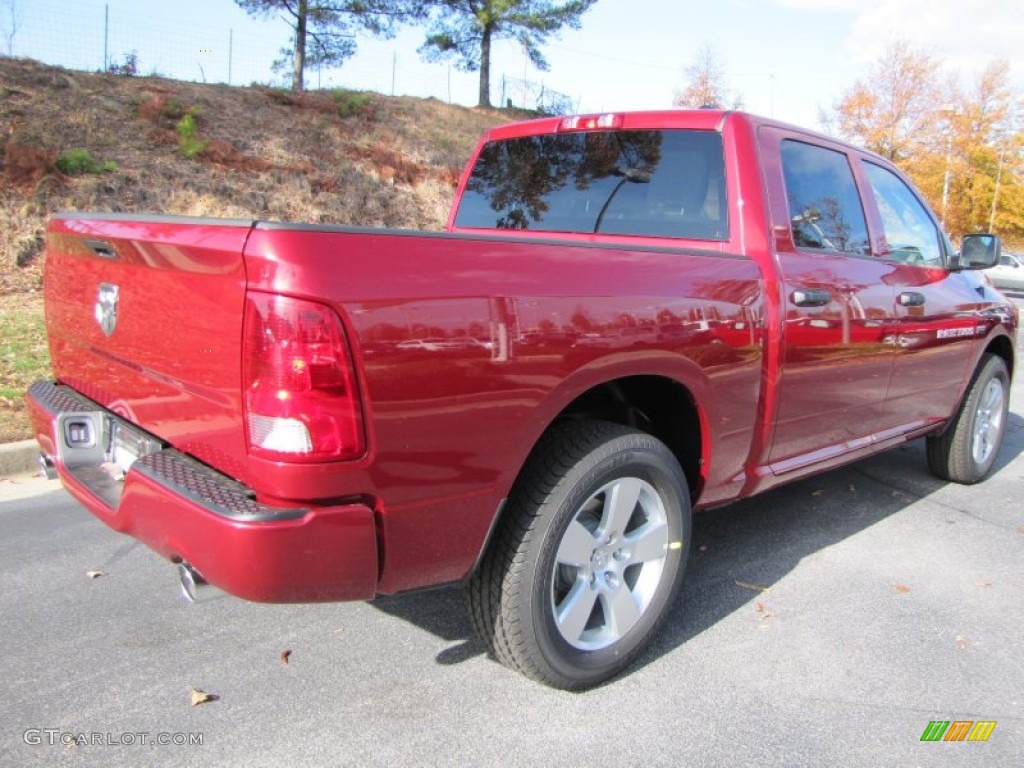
(1008, 274)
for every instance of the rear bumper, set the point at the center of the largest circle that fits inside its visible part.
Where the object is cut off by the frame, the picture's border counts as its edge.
(186, 511)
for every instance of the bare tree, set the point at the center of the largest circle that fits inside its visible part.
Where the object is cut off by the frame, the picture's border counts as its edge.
(10, 22)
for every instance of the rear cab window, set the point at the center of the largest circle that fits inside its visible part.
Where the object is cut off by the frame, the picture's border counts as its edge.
(653, 183)
(825, 210)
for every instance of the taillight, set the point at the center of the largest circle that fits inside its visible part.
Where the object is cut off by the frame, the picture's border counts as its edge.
(301, 401)
(590, 122)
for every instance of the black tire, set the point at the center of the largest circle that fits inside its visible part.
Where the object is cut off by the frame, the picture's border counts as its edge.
(537, 602)
(966, 451)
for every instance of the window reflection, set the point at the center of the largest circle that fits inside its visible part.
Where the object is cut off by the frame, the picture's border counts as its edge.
(911, 236)
(655, 183)
(824, 205)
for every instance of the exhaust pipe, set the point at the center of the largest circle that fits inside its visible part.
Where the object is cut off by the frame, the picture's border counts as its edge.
(47, 466)
(194, 588)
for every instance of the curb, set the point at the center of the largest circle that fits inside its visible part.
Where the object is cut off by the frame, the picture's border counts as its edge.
(19, 458)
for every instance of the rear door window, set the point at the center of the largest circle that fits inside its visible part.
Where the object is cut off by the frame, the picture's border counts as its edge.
(653, 183)
(824, 205)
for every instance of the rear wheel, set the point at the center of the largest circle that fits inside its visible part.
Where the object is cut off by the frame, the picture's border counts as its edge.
(966, 451)
(589, 556)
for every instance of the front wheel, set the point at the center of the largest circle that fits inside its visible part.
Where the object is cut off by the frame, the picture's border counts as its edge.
(966, 451)
(589, 556)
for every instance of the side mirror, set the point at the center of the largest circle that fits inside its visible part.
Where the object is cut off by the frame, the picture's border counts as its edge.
(979, 251)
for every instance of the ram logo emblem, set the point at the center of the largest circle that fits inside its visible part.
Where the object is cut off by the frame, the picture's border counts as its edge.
(106, 307)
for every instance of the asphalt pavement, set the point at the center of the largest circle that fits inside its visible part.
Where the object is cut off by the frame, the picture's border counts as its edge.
(824, 623)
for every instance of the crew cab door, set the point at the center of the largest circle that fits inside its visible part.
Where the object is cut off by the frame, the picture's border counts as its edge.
(937, 320)
(837, 303)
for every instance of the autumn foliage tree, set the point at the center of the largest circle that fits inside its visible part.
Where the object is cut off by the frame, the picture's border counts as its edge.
(706, 85)
(892, 110)
(960, 143)
(464, 30)
(986, 162)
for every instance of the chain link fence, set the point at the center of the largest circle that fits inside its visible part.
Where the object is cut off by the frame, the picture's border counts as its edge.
(133, 40)
(531, 95)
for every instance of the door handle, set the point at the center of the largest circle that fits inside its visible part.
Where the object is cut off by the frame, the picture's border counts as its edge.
(808, 298)
(101, 248)
(911, 299)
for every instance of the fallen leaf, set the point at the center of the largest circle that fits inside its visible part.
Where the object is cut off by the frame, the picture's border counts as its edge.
(113, 471)
(1020, 529)
(95, 574)
(961, 643)
(339, 631)
(284, 656)
(985, 583)
(755, 587)
(759, 607)
(901, 588)
(198, 697)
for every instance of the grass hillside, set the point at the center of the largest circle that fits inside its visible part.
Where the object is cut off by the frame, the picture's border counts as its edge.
(76, 141)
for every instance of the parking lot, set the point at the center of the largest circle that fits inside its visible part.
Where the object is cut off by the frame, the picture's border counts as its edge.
(827, 622)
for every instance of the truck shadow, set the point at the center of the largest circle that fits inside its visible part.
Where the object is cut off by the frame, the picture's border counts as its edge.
(742, 547)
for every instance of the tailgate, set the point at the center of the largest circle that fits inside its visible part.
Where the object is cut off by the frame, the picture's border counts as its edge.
(144, 316)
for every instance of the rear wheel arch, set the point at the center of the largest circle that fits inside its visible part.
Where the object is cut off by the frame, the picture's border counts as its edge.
(588, 558)
(661, 406)
(658, 405)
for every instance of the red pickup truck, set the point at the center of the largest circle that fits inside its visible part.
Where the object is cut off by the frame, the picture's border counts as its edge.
(631, 316)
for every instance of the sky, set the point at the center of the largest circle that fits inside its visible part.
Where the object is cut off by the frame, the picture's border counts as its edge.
(787, 59)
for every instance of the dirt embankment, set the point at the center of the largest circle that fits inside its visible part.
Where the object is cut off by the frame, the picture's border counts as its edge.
(78, 141)
(101, 142)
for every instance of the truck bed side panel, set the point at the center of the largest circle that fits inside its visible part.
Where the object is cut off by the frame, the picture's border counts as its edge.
(470, 346)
